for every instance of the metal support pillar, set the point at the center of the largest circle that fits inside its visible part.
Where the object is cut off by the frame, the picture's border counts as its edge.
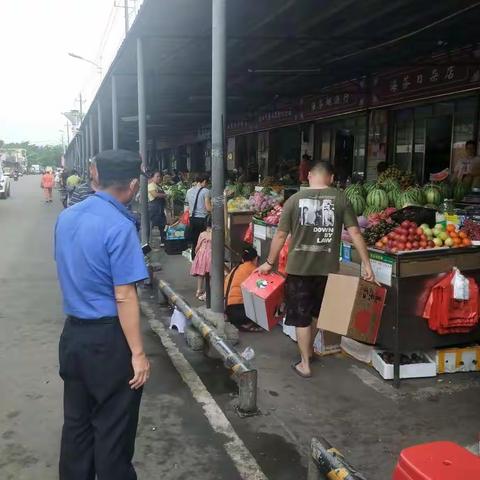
(245, 376)
(218, 167)
(142, 141)
(91, 139)
(114, 113)
(100, 126)
(87, 146)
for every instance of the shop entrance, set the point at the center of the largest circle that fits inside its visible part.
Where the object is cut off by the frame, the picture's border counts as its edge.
(438, 141)
(343, 162)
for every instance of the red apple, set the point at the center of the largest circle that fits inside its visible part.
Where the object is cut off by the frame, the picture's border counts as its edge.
(420, 231)
(423, 244)
(405, 224)
(431, 244)
(415, 245)
(408, 245)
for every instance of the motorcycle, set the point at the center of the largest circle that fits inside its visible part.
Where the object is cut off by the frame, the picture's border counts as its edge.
(15, 176)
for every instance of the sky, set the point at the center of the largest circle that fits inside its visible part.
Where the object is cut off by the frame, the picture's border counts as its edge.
(38, 80)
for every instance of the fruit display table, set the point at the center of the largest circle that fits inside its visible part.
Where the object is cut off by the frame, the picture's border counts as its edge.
(409, 277)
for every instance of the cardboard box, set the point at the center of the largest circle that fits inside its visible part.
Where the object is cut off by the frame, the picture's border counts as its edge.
(352, 307)
(262, 297)
(326, 343)
(414, 370)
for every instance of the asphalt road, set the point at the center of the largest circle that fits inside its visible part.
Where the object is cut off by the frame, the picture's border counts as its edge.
(175, 440)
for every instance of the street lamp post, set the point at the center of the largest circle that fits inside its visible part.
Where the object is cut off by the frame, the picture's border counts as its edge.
(79, 57)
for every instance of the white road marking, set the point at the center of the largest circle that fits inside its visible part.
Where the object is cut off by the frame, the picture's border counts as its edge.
(241, 457)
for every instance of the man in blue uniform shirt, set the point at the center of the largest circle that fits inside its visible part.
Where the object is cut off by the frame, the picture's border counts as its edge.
(102, 361)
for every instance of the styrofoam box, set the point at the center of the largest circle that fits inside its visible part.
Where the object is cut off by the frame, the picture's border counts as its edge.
(453, 360)
(415, 370)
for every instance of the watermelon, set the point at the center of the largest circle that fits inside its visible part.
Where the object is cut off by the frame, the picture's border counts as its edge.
(358, 204)
(416, 194)
(389, 185)
(433, 194)
(368, 186)
(407, 198)
(445, 190)
(354, 189)
(370, 210)
(377, 198)
(393, 196)
(459, 191)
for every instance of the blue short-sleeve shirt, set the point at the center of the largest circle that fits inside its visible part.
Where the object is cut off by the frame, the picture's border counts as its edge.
(96, 249)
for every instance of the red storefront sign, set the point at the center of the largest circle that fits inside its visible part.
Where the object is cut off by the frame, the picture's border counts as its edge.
(341, 98)
(424, 81)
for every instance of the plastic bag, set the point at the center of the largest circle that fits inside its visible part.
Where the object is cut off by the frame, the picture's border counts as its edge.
(460, 285)
(248, 237)
(185, 218)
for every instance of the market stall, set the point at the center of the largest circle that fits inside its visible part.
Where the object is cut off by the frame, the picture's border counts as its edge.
(409, 277)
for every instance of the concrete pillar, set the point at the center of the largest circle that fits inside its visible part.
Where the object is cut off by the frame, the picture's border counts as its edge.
(142, 141)
(218, 168)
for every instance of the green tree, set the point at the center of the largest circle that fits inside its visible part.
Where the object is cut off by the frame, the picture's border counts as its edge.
(43, 155)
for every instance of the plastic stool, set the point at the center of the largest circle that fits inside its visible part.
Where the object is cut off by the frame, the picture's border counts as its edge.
(437, 461)
(178, 321)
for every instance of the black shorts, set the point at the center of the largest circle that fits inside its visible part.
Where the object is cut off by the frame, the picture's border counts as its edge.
(303, 298)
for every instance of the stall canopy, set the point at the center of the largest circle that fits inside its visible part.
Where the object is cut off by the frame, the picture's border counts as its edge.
(275, 50)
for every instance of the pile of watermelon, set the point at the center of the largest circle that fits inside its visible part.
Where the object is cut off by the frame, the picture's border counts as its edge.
(373, 197)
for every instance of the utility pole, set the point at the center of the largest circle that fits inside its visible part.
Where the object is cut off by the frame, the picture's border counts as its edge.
(219, 28)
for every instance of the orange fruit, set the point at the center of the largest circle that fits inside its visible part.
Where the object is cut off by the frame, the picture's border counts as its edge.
(453, 234)
(450, 228)
(462, 235)
(466, 242)
(457, 241)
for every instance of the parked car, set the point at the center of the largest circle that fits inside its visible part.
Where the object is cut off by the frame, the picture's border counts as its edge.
(4, 185)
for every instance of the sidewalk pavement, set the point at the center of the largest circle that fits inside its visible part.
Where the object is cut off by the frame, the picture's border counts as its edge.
(346, 401)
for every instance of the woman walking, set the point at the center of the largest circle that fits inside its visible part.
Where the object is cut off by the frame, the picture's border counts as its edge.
(47, 183)
(156, 205)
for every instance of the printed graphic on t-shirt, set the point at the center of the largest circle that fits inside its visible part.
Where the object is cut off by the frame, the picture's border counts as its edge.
(318, 215)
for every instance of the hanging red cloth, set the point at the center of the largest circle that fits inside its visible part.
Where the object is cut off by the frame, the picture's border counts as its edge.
(446, 315)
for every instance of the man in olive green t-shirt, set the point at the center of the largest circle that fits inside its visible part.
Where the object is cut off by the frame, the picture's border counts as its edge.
(314, 218)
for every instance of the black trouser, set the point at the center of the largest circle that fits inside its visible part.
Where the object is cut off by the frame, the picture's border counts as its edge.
(197, 225)
(157, 217)
(236, 315)
(100, 409)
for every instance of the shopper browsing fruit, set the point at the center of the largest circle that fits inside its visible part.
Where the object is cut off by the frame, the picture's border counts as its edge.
(314, 217)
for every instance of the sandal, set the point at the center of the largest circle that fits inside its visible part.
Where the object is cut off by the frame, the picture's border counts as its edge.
(250, 327)
(299, 373)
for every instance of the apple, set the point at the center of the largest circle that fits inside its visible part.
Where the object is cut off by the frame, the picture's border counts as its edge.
(392, 235)
(379, 244)
(405, 224)
(423, 238)
(408, 245)
(428, 232)
(384, 240)
(438, 242)
(415, 245)
(443, 236)
(449, 242)
(401, 246)
(425, 226)
(436, 232)
(419, 231)
(430, 244)
(394, 250)
(423, 244)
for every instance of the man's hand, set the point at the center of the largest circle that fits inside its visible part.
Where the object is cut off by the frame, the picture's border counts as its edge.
(368, 274)
(141, 370)
(265, 269)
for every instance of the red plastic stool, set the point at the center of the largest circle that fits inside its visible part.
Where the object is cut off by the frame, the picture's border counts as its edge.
(437, 461)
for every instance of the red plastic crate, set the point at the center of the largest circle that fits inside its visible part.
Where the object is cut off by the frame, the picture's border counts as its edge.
(437, 461)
